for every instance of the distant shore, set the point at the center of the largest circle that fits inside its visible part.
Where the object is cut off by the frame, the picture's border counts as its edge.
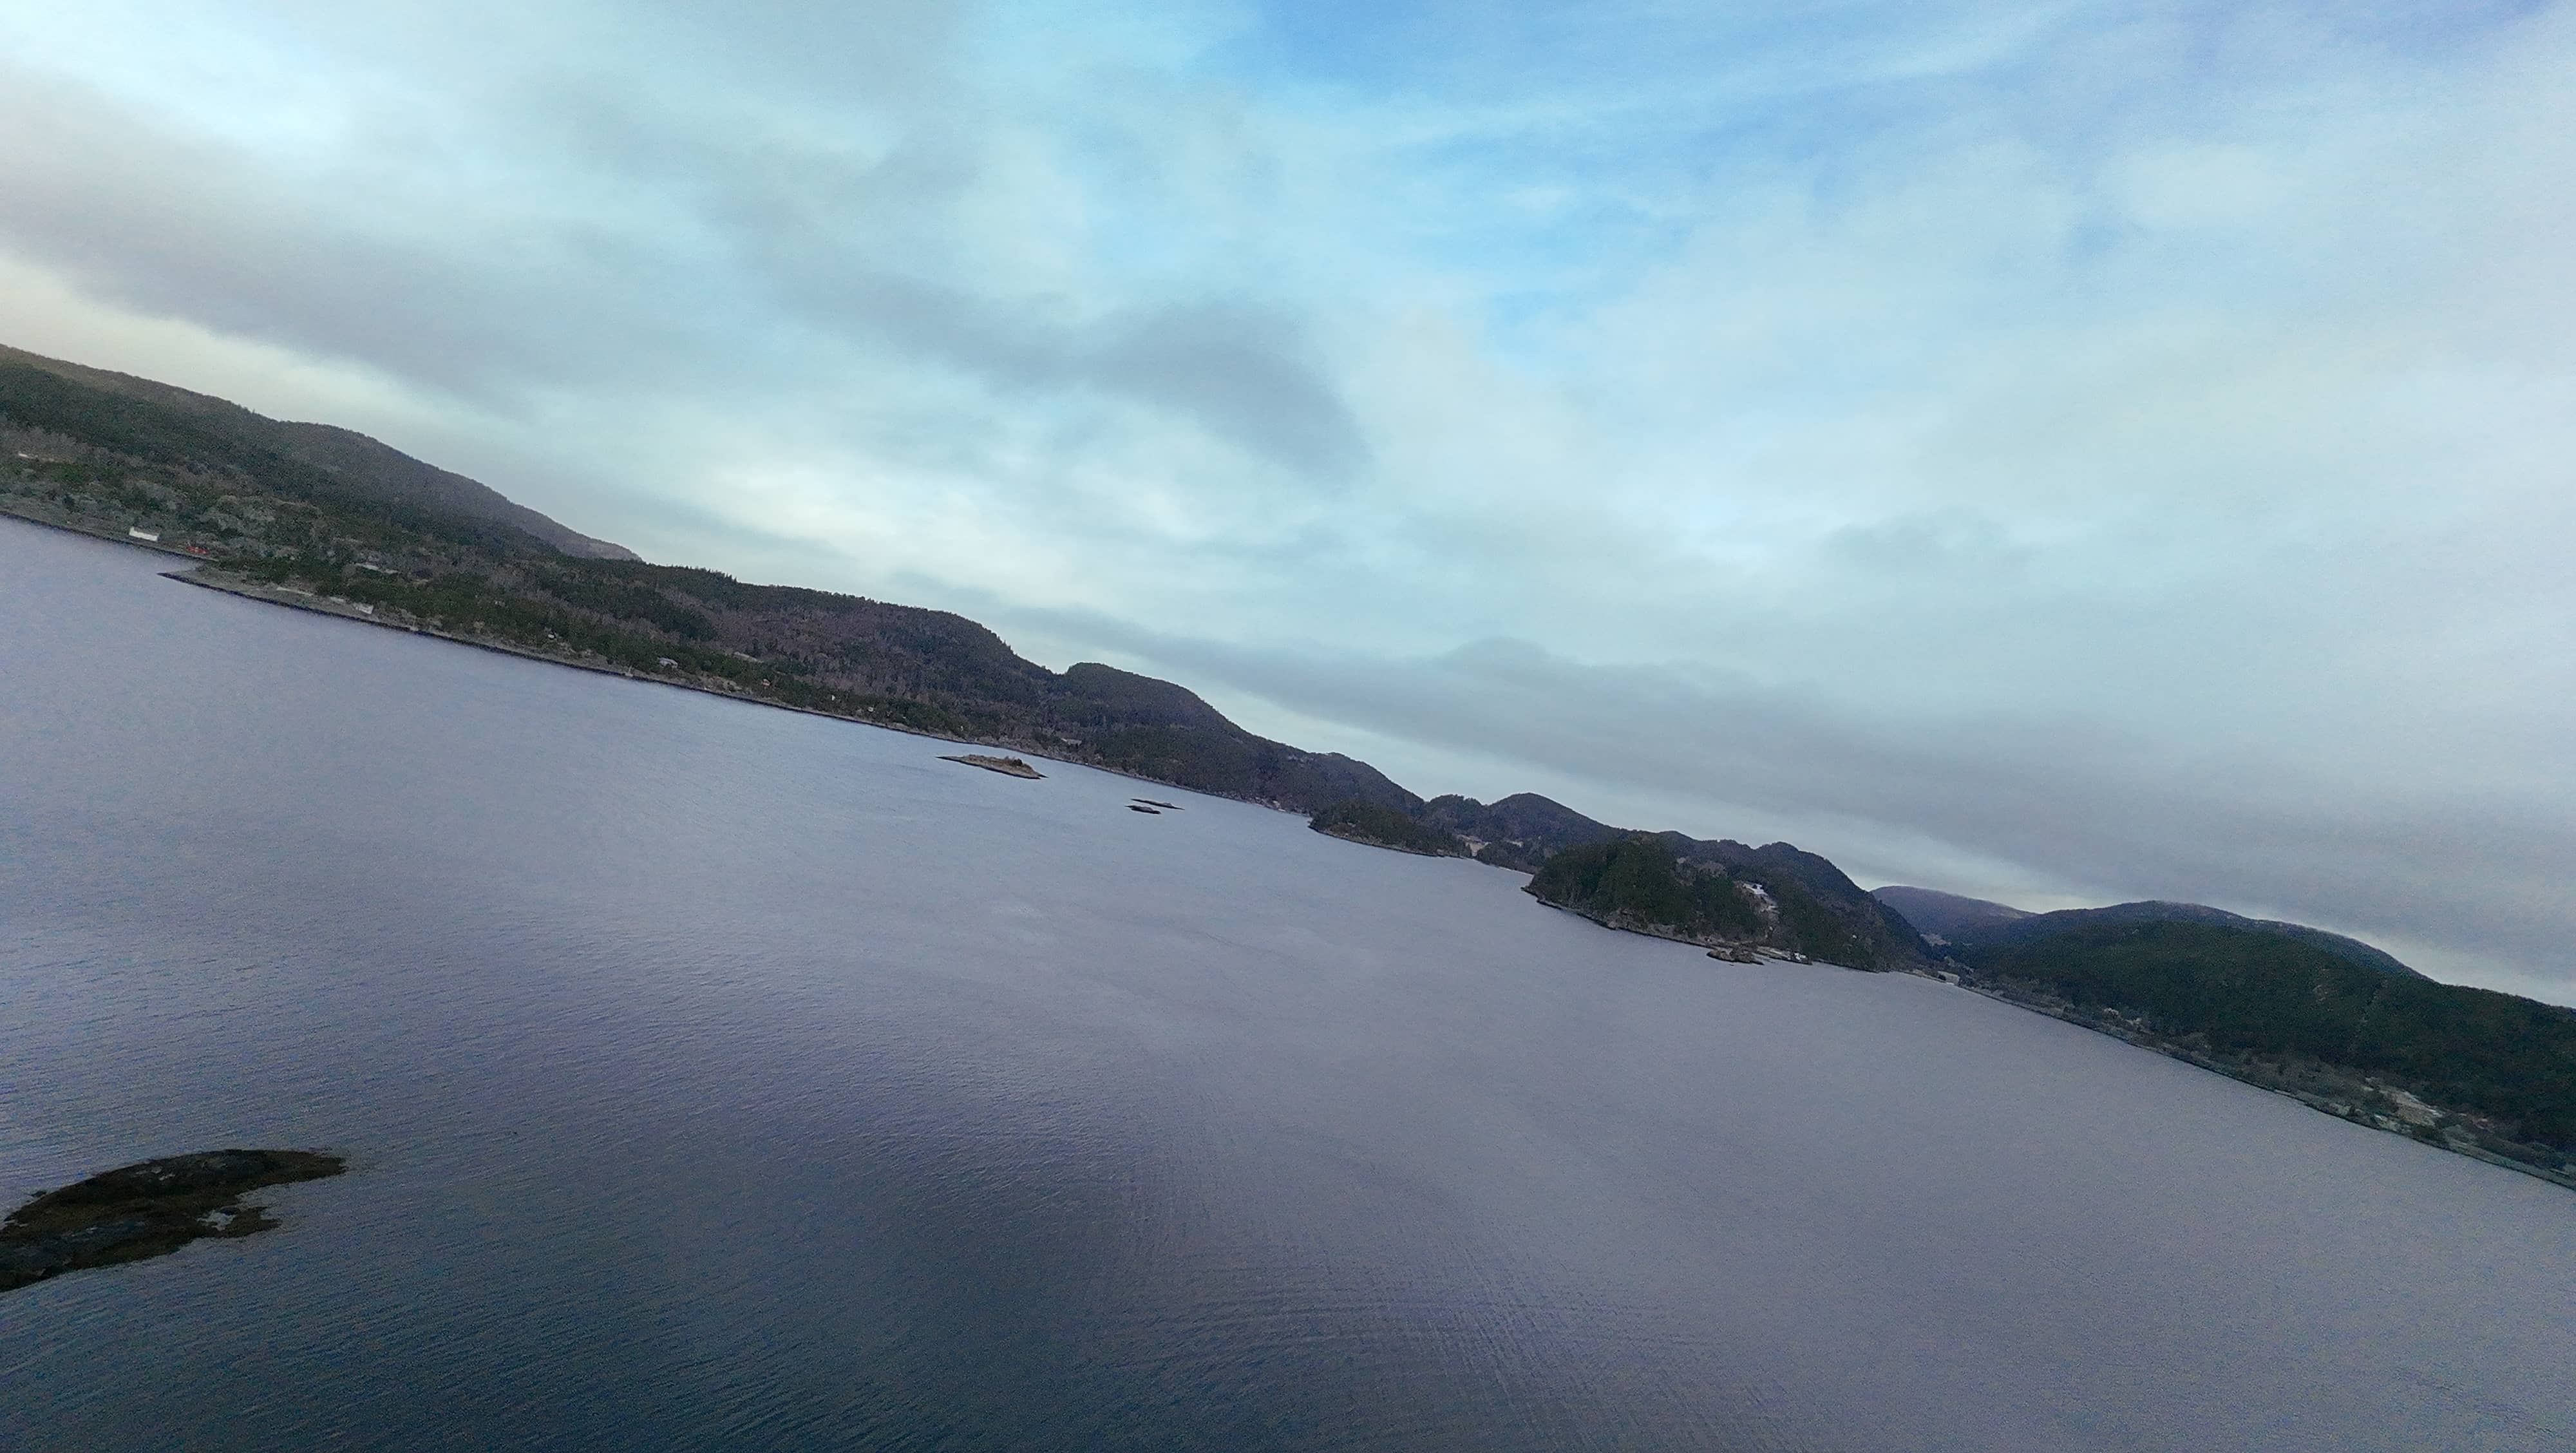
(210, 576)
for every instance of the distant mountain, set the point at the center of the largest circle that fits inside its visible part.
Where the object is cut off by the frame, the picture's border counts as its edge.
(1944, 916)
(146, 420)
(2029, 928)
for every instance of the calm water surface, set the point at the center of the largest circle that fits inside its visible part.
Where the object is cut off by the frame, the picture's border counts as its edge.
(722, 1078)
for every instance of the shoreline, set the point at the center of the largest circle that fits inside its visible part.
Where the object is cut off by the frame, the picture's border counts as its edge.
(207, 573)
(210, 575)
(1768, 955)
(21, 509)
(2243, 1075)
(1350, 837)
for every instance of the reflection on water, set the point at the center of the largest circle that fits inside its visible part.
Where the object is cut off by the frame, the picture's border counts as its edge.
(718, 1077)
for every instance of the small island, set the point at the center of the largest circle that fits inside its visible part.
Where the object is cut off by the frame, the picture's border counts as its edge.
(149, 1209)
(1007, 766)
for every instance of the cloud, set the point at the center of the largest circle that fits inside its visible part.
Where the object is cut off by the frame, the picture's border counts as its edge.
(2106, 448)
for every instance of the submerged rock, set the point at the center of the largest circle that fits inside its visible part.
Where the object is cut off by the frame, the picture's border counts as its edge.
(145, 1210)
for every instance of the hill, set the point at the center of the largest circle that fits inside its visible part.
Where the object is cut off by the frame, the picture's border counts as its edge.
(140, 419)
(2028, 927)
(1519, 831)
(1940, 916)
(2479, 1071)
(1724, 893)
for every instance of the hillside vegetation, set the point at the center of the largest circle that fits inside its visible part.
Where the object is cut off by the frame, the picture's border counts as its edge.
(1380, 825)
(1722, 894)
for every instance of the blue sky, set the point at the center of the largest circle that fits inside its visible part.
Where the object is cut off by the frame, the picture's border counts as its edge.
(2063, 452)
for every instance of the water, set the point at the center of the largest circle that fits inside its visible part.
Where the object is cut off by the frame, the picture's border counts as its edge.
(717, 1077)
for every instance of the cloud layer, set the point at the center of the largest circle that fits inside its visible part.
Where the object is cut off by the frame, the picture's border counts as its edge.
(2062, 452)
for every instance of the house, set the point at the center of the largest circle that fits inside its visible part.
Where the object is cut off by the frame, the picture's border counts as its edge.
(149, 537)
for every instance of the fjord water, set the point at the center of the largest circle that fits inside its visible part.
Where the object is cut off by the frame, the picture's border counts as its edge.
(717, 1077)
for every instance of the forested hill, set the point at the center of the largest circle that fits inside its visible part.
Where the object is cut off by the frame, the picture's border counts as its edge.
(1726, 894)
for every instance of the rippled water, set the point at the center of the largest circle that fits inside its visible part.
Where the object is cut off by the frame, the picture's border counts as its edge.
(719, 1077)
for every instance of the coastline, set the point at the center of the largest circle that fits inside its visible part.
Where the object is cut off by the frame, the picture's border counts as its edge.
(1768, 955)
(2346, 1110)
(210, 575)
(1369, 842)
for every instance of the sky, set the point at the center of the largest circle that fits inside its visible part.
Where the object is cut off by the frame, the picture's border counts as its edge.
(2058, 452)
